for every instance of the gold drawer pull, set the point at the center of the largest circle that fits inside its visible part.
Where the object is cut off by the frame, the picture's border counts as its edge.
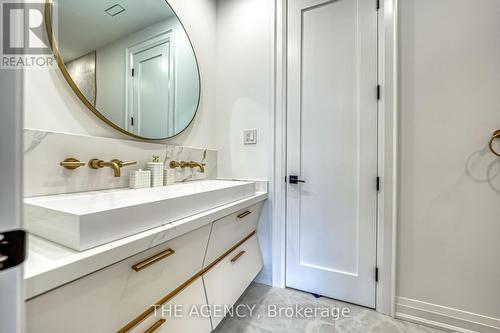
(155, 326)
(154, 259)
(244, 214)
(238, 256)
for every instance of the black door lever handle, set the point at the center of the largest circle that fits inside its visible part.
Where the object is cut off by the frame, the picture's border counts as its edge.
(295, 180)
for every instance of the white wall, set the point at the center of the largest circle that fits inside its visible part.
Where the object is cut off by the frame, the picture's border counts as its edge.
(51, 105)
(449, 223)
(245, 37)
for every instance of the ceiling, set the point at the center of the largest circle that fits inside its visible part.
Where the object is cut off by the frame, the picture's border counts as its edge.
(84, 26)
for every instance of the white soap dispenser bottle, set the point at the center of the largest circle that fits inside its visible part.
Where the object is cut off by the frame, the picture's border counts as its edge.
(156, 167)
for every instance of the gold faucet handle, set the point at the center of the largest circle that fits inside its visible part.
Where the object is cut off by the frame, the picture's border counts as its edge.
(124, 164)
(204, 156)
(71, 163)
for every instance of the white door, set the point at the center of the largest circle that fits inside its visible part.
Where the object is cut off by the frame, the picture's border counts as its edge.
(151, 91)
(12, 242)
(332, 147)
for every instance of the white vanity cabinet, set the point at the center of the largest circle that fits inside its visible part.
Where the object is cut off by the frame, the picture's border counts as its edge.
(231, 229)
(108, 299)
(227, 280)
(211, 265)
(174, 317)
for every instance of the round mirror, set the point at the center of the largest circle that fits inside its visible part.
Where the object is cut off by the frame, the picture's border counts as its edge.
(130, 62)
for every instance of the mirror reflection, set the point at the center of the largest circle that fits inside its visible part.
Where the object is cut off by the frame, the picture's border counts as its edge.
(129, 61)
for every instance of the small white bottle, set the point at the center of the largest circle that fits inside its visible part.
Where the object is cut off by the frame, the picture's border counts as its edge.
(169, 177)
(140, 179)
(156, 167)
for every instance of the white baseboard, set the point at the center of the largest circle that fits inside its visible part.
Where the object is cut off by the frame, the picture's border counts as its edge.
(444, 318)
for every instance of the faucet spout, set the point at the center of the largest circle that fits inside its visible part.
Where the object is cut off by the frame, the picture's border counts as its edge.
(116, 165)
(201, 166)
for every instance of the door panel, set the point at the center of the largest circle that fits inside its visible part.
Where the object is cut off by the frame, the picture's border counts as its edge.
(332, 145)
(151, 90)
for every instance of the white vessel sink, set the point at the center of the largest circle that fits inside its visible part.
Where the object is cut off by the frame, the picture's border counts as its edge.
(85, 220)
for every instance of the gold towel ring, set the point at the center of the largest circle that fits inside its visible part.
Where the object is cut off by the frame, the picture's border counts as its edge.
(496, 135)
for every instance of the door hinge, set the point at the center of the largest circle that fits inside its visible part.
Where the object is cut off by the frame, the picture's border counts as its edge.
(378, 184)
(378, 4)
(378, 92)
(133, 72)
(12, 248)
(132, 121)
(376, 274)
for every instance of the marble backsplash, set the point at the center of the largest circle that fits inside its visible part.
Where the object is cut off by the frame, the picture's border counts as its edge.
(43, 151)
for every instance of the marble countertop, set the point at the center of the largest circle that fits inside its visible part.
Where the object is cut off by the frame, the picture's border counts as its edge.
(50, 265)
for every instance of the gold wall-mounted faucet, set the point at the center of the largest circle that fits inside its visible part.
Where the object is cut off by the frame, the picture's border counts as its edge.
(190, 164)
(116, 165)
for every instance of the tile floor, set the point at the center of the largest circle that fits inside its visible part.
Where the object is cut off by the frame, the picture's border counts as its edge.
(268, 301)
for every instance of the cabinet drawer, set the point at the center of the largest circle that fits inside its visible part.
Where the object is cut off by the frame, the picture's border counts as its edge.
(230, 230)
(227, 280)
(174, 317)
(107, 300)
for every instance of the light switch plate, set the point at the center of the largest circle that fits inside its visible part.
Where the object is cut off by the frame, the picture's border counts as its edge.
(250, 137)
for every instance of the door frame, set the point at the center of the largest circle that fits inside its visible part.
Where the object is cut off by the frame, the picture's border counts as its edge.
(387, 152)
(11, 193)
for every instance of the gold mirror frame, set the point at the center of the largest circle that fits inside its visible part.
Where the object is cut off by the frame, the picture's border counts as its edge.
(76, 90)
